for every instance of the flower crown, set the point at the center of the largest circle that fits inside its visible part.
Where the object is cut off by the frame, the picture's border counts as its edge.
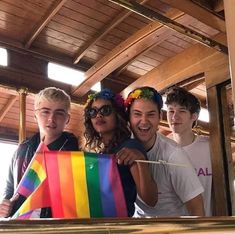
(146, 93)
(107, 94)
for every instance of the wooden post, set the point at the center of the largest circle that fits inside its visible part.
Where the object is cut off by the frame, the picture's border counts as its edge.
(22, 125)
(220, 189)
(229, 9)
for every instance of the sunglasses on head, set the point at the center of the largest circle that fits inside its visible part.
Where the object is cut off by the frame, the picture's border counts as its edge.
(105, 110)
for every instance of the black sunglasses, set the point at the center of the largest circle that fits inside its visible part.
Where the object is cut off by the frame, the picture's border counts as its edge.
(105, 110)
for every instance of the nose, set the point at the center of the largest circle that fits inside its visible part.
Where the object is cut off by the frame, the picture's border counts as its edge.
(144, 119)
(175, 115)
(51, 116)
(99, 115)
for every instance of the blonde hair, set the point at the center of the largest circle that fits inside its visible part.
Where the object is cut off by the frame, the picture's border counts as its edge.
(53, 94)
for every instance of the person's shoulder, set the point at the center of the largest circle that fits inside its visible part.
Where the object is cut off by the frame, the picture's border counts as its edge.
(31, 141)
(166, 141)
(131, 143)
(28, 145)
(69, 135)
(203, 138)
(71, 141)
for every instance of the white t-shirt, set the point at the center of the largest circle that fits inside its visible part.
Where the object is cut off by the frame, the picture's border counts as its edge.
(176, 184)
(199, 154)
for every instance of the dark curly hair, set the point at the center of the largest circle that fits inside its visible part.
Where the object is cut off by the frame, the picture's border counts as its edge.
(184, 98)
(94, 141)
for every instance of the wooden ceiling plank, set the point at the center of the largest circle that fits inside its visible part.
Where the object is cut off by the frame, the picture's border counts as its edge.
(218, 5)
(44, 21)
(199, 13)
(148, 48)
(7, 107)
(154, 15)
(194, 60)
(117, 20)
(124, 52)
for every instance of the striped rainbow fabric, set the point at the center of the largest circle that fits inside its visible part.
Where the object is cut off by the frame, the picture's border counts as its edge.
(77, 185)
(84, 185)
(34, 174)
(33, 185)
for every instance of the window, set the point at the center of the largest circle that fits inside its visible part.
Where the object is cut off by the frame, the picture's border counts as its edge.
(3, 57)
(7, 151)
(68, 75)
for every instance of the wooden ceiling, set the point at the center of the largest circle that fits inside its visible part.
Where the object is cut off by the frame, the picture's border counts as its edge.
(123, 44)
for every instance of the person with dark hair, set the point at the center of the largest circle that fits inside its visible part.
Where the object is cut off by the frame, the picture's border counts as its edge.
(51, 107)
(107, 131)
(183, 109)
(179, 190)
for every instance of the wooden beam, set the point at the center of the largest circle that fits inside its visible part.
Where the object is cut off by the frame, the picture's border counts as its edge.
(192, 61)
(218, 5)
(22, 114)
(15, 79)
(199, 13)
(124, 52)
(218, 170)
(229, 8)
(116, 20)
(7, 107)
(227, 144)
(56, 6)
(154, 15)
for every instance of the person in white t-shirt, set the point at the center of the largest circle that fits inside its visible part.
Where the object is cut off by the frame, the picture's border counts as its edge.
(179, 189)
(183, 109)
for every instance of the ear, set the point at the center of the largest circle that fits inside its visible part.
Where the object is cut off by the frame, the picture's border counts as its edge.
(195, 116)
(68, 119)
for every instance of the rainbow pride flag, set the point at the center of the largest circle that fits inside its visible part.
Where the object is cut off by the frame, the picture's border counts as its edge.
(35, 173)
(84, 185)
(78, 185)
(33, 185)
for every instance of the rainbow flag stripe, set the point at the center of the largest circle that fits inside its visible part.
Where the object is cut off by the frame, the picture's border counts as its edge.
(85, 185)
(74, 185)
(35, 173)
(38, 199)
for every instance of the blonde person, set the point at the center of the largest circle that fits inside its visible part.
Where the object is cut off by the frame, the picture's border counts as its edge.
(52, 106)
(179, 190)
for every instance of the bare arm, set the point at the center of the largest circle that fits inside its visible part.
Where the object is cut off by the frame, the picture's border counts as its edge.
(195, 206)
(145, 185)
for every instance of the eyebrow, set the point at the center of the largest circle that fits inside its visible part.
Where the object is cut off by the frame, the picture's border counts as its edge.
(46, 108)
(151, 111)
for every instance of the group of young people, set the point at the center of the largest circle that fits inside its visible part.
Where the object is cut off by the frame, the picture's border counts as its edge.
(129, 129)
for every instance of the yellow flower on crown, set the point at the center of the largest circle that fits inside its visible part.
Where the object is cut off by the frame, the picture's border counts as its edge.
(136, 93)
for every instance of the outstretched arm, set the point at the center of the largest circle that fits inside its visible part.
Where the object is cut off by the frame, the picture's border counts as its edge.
(146, 186)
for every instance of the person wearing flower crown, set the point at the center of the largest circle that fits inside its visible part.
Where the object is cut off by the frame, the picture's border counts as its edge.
(107, 131)
(179, 190)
